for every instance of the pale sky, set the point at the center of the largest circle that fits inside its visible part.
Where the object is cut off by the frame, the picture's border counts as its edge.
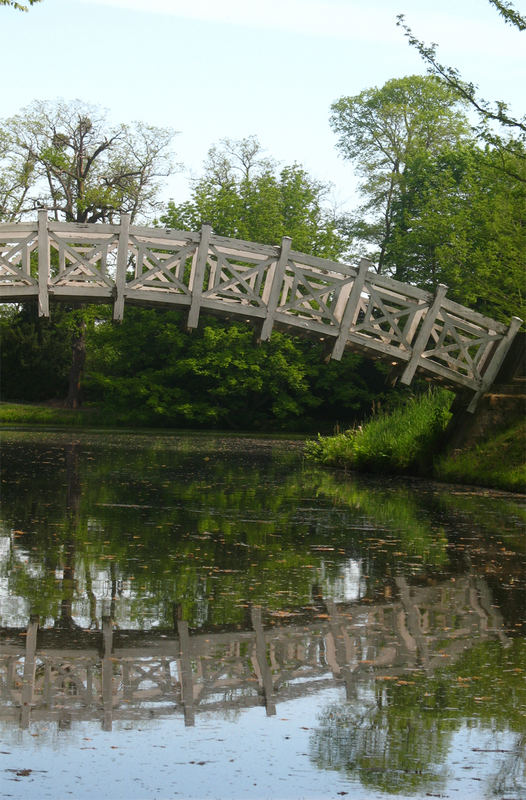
(232, 68)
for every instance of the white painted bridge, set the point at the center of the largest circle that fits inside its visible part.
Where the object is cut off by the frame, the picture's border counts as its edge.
(273, 286)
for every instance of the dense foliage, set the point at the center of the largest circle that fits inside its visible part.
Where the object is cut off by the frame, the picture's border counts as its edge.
(440, 205)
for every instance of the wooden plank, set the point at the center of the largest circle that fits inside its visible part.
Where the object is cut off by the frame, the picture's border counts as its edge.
(18, 290)
(288, 320)
(473, 316)
(86, 292)
(423, 335)
(351, 309)
(274, 293)
(148, 297)
(451, 376)
(197, 276)
(240, 244)
(371, 344)
(159, 237)
(325, 264)
(43, 264)
(404, 289)
(231, 306)
(122, 264)
(16, 229)
(82, 227)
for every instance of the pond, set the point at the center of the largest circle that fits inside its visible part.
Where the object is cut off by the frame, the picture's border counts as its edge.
(187, 616)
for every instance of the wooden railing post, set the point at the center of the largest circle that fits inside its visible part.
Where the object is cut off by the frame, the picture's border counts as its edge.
(122, 265)
(496, 361)
(197, 276)
(351, 309)
(275, 289)
(43, 264)
(423, 336)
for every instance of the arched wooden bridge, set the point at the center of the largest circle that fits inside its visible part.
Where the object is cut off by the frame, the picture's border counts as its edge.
(274, 286)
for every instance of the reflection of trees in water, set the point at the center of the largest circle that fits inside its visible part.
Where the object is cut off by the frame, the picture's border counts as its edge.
(397, 738)
(150, 527)
(400, 754)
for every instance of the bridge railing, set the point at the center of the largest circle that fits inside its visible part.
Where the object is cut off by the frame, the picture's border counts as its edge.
(272, 285)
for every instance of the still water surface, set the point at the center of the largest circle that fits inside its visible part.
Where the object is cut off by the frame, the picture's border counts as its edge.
(210, 617)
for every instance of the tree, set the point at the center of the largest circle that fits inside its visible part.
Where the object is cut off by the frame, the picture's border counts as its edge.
(18, 6)
(461, 221)
(490, 113)
(66, 157)
(244, 195)
(382, 129)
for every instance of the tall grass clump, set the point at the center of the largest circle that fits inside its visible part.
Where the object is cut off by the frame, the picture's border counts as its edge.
(403, 440)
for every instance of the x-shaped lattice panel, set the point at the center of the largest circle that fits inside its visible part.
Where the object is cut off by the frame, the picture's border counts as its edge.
(311, 293)
(83, 262)
(15, 261)
(165, 268)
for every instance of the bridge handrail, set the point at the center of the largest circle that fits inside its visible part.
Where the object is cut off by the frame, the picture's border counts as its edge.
(272, 285)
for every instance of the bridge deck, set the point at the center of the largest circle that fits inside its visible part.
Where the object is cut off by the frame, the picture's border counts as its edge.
(411, 329)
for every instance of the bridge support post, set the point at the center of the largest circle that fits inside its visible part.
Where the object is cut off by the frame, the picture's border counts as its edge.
(423, 336)
(496, 361)
(43, 264)
(351, 309)
(275, 289)
(197, 276)
(122, 263)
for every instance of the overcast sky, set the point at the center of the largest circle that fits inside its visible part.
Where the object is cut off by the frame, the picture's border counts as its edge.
(231, 68)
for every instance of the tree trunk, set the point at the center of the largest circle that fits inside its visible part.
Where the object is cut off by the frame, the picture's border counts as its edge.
(78, 357)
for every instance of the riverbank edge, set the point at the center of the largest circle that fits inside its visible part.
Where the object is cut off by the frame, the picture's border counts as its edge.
(496, 461)
(420, 438)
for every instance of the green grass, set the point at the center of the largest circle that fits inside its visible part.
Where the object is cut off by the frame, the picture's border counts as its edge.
(399, 441)
(411, 440)
(499, 462)
(28, 414)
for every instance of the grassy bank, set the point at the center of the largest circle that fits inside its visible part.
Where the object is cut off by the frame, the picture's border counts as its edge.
(29, 414)
(411, 439)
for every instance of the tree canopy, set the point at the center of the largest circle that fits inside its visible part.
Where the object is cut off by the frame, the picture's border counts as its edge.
(245, 195)
(382, 129)
(67, 157)
(497, 125)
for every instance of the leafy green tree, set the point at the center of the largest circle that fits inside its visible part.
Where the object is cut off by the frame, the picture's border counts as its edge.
(461, 221)
(150, 371)
(66, 157)
(79, 166)
(36, 354)
(244, 195)
(381, 130)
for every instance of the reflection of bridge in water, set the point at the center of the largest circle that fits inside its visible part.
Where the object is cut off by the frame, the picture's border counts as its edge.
(117, 675)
